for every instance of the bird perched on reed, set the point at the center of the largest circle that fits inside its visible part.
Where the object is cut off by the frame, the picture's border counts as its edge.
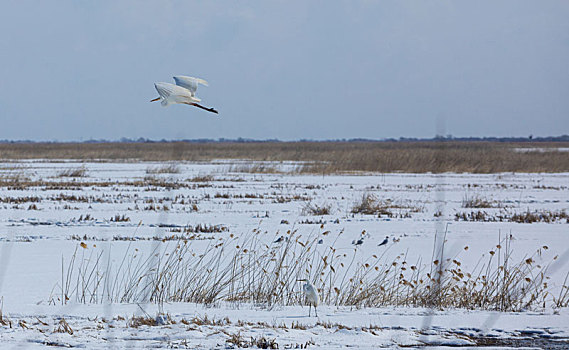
(311, 295)
(384, 241)
(360, 241)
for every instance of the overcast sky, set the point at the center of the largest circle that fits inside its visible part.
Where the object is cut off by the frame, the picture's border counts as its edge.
(78, 70)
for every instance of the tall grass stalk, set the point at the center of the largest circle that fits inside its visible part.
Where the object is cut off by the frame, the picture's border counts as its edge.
(247, 270)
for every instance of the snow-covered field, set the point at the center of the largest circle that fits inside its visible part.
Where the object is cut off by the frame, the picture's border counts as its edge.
(50, 209)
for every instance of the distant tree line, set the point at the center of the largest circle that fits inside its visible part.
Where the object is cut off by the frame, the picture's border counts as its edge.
(438, 138)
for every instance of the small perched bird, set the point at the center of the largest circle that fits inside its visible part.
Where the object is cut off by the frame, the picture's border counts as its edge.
(384, 241)
(311, 295)
(358, 242)
(279, 240)
(320, 241)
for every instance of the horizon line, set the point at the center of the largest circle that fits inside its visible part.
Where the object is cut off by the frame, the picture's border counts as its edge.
(438, 138)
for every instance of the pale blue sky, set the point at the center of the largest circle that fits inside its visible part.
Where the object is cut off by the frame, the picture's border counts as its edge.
(76, 70)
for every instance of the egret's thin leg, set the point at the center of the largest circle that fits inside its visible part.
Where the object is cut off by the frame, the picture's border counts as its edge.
(156, 99)
(315, 310)
(309, 306)
(204, 108)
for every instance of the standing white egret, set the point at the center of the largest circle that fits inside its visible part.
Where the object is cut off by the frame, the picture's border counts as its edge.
(311, 295)
(172, 94)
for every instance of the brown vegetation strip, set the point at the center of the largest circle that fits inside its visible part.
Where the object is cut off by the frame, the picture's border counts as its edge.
(417, 157)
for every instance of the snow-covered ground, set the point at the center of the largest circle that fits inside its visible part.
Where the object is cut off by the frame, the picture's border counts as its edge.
(118, 206)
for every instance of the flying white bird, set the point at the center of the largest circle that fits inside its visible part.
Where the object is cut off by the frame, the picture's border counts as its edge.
(172, 94)
(311, 295)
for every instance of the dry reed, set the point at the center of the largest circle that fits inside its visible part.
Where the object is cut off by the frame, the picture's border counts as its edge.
(326, 157)
(247, 270)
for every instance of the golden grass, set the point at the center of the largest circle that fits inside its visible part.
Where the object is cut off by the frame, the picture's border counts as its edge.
(4, 321)
(327, 157)
(247, 270)
(63, 327)
(74, 172)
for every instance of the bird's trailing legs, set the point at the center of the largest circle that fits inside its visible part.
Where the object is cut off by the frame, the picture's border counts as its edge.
(204, 108)
(156, 99)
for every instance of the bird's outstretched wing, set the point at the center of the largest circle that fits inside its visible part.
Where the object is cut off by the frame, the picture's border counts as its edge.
(165, 90)
(189, 83)
(171, 94)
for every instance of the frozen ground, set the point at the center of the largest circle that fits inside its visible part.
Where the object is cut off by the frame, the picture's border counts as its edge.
(45, 216)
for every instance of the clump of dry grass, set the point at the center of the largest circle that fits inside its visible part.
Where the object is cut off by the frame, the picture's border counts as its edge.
(527, 217)
(164, 169)
(239, 341)
(151, 183)
(87, 217)
(255, 168)
(497, 284)
(63, 327)
(370, 205)
(312, 222)
(20, 200)
(119, 218)
(316, 210)
(161, 319)
(562, 300)
(4, 321)
(200, 228)
(478, 202)
(14, 179)
(201, 178)
(73, 172)
(540, 216)
(206, 321)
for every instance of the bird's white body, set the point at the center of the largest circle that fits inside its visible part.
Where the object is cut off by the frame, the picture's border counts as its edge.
(311, 295)
(172, 94)
(184, 92)
(189, 83)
